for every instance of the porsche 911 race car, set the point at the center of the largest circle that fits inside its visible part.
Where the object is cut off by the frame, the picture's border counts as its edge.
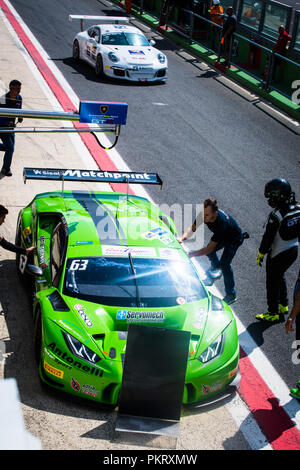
(119, 50)
(107, 260)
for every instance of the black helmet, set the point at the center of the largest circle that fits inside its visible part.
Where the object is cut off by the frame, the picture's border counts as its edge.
(278, 191)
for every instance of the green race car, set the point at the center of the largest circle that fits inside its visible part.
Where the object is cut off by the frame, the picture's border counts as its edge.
(106, 260)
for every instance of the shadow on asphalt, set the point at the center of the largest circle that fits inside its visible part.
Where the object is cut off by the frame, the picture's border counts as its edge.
(19, 354)
(83, 69)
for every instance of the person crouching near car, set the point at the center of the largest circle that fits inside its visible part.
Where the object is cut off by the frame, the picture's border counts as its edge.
(227, 235)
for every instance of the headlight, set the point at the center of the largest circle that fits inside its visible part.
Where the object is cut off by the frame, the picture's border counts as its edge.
(161, 58)
(80, 350)
(213, 350)
(113, 57)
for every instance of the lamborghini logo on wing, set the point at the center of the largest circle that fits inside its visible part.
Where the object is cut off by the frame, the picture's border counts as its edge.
(104, 109)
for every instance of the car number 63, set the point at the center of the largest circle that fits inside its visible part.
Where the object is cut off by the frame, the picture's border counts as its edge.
(79, 265)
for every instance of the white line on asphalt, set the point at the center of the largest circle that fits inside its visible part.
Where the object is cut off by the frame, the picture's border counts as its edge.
(257, 357)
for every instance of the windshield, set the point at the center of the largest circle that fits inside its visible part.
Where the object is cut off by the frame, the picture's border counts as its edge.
(135, 282)
(124, 39)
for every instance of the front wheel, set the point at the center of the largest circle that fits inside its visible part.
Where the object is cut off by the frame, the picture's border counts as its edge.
(99, 66)
(38, 335)
(76, 50)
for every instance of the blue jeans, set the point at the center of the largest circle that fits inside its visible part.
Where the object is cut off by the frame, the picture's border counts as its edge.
(8, 147)
(224, 263)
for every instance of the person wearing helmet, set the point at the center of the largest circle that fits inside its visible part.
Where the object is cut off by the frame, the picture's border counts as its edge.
(280, 243)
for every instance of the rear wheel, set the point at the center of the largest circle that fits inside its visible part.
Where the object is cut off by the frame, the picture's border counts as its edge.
(38, 335)
(99, 66)
(76, 50)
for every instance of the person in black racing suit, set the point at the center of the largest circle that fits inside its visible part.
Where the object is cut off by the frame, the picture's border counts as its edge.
(280, 241)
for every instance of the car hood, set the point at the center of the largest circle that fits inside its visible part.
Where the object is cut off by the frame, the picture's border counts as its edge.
(108, 326)
(134, 54)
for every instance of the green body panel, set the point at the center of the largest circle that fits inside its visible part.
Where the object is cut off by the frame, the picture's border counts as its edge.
(98, 327)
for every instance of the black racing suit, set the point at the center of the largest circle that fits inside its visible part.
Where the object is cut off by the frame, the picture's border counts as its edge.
(280, 241)
(11, 247)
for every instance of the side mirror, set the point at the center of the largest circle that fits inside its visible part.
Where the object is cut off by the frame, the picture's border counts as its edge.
(34, 270)
(152, 42)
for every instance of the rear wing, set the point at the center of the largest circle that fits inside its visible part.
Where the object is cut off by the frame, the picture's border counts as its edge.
(100, 19)
(57, 174)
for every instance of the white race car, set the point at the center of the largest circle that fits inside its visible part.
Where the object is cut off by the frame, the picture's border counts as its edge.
(119, 50)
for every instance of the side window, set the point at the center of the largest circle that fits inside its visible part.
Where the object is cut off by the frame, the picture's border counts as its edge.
(91, 32)
(97, 34)
(57, 252)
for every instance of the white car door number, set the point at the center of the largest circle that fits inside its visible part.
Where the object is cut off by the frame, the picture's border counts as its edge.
(22, 263)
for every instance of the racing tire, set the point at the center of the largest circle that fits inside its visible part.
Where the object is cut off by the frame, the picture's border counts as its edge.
(38, 335)
(76, 50)
(18, 242)
(99, 66)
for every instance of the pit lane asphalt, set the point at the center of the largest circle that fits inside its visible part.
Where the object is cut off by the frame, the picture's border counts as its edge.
(57, 421)
(203, 139)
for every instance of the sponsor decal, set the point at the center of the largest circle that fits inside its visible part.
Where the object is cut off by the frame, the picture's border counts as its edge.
(65, 225)
(140, 316)
(81, 312)
(159, 234)
(27, 236)
(26, 232)
(83, 242)
(89, 390)
(75, 385)
(110, 250)
(61, 364)
(136, 52)
(74, 362)
(212, 388)
(181, 300)
(43, 263)
(169, 253)
(91, 175)
(56, 372)
(232, 373)
(200, 318)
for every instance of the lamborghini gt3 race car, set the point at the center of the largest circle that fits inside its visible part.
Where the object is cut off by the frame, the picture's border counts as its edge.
(119, 50)
(106, 260)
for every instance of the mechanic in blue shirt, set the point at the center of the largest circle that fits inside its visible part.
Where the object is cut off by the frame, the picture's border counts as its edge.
(12, 99)
(227, 235)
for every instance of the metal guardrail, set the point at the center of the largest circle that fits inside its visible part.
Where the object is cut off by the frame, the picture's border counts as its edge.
(268, 76)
